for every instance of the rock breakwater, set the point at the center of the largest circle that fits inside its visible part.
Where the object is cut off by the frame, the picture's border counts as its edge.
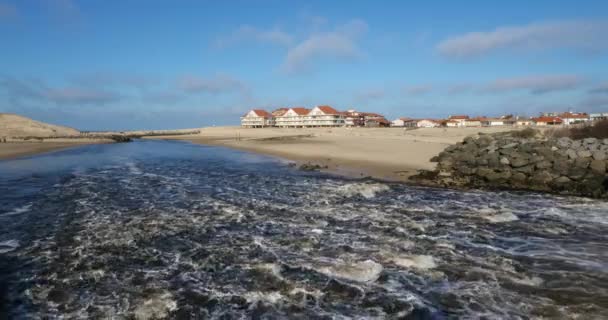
(510, 161)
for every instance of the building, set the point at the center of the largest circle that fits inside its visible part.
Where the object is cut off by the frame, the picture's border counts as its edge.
(279, 112)
(524, 121)
(324, 116)
(472, 122)
(492, 122)
(257, 118)
(292, 118)
(460, 121)
(454, 124)
(400, 122)
(547, 121)
(427, 123)
(573, 118)
(376, 122)
(598, 116)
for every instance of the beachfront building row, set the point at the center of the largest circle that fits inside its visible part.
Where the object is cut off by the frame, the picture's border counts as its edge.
(546, 119)
(319, 116)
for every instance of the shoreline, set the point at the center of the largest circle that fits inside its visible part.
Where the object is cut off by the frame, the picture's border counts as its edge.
(388, 154)
(17, 149)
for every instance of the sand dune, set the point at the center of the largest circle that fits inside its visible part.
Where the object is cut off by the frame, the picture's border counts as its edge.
(385, 153)
(12, 125)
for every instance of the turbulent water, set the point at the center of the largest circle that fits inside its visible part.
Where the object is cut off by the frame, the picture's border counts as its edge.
(153, 230)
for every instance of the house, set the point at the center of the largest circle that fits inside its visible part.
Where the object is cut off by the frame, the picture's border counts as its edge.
(598, 116)
(547, 121)
(377, 122)
(257, 118)
(472, 122)
(524, 121)
(325, 116)
(454, 123)
(292, 118)
(427, 123)
(354, 118)
(573, 118)
(459, 119)
(400, 122)
(279, 112)
(492, 122)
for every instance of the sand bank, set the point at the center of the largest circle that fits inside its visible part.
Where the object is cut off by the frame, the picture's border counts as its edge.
(383, 153)
(16, 149)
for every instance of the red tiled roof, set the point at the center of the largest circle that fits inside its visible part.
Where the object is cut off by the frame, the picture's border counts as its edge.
(570, 115)
(300, 111)
(279, 112)
(548, 119)
(459, 117)
(262, 113)
(328, 110)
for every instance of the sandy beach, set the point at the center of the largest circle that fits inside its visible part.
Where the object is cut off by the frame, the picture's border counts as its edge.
(383, 153)
(16, 149)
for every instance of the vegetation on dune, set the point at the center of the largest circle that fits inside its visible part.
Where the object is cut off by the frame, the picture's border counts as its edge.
(598, 130)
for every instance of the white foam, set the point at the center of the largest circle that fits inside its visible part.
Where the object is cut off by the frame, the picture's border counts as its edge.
(364, 271)
(19, 210)
(422, 262)
(157, 307)
(270, 297)
(367, 190)
(503, 216)
(133, 168)
(8, 246)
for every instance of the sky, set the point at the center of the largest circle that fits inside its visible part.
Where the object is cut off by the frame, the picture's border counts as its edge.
(118, 65)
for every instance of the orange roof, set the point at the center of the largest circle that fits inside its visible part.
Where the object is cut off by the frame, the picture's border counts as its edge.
(279, 112)
(548, 119)
(300, 111)
(570, 115)
(459, 117)
(260, 113)
(328, 110)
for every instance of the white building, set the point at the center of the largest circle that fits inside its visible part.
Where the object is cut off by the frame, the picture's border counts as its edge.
(427, 123)
(492, 122)
(598, 116)
(400, 122)
(459, 120)
(294, 118)
(257, 118)
(573, 118)
(324, 116)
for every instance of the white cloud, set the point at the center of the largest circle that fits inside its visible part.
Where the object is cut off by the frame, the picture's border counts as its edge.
(247, 33)
(535, 84)
(418, 89)
(579, 35)
(340, 43)
(220, 83)
(601, 88)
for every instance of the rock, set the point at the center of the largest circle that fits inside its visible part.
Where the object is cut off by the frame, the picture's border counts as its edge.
(518, 177)
(509, 145)
(594, 146)
(562, 180)
(504, 161)
(564, 142)
(435, 159)
(466, 170)
(541, 177)
(576, 173)
(598, 166)
(544, 165)
(484, 172)
(554, 148)
(561, 167)
(519, 162)
(572, 154)
(582, 162)
(605, 141)
(535, 159)
(498, 176)
(311, 167)
(575, 144)
(599, 155)
(526, 169)
(583, 153)
(589, 140)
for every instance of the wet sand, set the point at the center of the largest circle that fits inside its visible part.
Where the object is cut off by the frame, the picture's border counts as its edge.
(16, 149)
(383, 153)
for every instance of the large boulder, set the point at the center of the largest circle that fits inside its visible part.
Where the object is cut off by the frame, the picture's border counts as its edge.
(599, 155)
(598, 166)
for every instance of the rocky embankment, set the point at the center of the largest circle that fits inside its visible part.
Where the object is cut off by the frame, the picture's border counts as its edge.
(510, 161)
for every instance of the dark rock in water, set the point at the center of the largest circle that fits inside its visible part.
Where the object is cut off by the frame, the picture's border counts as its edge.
(120, 138)
(506, 160)
(311, 167)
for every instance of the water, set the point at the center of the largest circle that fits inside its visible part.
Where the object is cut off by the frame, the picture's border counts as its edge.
(156, 229)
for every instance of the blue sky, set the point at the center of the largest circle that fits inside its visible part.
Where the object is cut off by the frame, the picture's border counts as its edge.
(179, 64)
